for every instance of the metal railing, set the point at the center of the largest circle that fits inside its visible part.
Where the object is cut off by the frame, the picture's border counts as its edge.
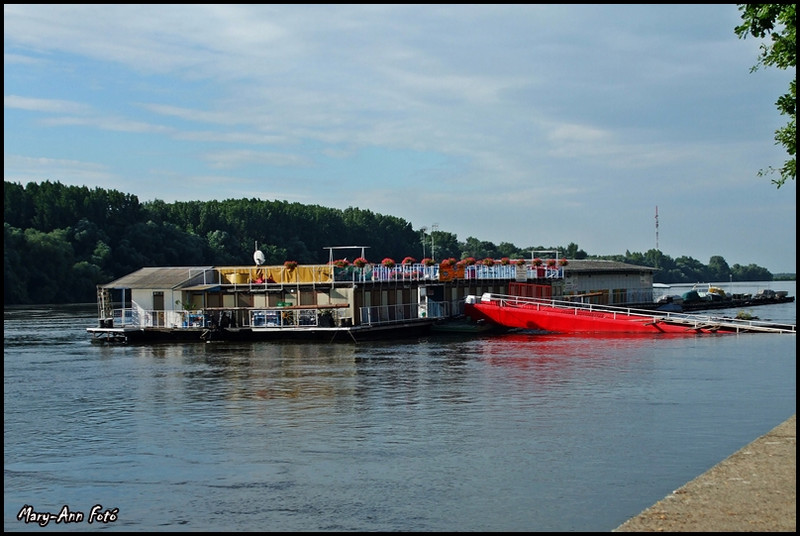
(393, 314)
(279, 317)
(295, 318)
(509, 271)
(142, 318)
(321, 274)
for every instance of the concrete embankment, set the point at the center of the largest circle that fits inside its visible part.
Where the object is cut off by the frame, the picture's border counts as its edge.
(753, 490)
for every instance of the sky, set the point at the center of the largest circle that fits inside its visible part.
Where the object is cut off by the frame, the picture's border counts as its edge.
(536, 125)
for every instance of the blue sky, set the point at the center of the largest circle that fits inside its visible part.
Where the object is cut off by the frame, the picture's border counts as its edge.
(539, 125)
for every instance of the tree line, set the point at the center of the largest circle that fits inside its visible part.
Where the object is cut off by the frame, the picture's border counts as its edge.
(61, 241)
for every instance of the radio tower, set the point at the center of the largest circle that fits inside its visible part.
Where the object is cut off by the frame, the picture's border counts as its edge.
(657, 228)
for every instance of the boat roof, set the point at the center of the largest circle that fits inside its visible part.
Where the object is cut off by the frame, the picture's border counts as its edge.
(158, 277)
(599, 265)
(192, 277)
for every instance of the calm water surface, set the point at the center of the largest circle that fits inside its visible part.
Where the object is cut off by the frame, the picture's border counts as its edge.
(517, 432)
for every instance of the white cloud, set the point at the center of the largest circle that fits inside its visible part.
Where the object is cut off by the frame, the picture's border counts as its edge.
(570, 123)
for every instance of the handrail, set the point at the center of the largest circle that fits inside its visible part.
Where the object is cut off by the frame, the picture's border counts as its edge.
(402, 312)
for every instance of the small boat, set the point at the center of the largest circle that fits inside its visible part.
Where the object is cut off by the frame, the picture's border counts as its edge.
(710, 293)
(670, 298)
(569, 317)
(772, 296)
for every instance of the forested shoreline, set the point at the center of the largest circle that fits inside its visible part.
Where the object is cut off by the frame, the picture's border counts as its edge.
(61, 241)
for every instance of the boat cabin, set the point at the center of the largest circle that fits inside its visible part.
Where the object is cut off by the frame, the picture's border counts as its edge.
(607, 283)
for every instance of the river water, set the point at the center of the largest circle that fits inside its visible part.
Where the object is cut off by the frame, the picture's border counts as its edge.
(513, 432)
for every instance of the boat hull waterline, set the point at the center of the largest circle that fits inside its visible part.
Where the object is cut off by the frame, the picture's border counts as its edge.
(411, 328)
(566, 317)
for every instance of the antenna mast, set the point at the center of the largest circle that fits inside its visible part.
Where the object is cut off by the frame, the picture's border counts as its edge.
(657, 228)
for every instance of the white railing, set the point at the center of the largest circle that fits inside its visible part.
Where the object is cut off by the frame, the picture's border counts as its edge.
(509, 271)
(377, 272)
(393, 314)
(142, 318)
(294, 318)
(403, 272)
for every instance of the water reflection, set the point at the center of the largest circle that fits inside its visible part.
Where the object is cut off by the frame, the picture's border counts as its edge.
(515, 432)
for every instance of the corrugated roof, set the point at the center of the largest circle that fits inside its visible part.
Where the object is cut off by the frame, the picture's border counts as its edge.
(597, 265)
(156, 277)
(176, 276)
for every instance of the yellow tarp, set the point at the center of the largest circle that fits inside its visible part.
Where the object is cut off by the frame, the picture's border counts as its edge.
(316, 273)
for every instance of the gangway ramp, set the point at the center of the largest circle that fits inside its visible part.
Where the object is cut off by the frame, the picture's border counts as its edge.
(706, 324)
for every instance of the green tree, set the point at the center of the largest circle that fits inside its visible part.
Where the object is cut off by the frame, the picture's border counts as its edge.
(478, 249)
(573, 252)
(507, 249)
(85, 276)
(718, 269)
(692, 269)
(15, 260)
(48, 268)
(635, 258)
(751, 272)
(656, 259)
(779, 22)
(446, 245)
(222, 246)
(17, 206)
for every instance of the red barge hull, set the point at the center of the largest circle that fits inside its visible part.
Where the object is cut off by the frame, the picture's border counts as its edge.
(567, 317)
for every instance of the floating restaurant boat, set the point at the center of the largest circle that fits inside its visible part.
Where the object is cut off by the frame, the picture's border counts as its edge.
(559, 316)
(359, 300)
(337, 301)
